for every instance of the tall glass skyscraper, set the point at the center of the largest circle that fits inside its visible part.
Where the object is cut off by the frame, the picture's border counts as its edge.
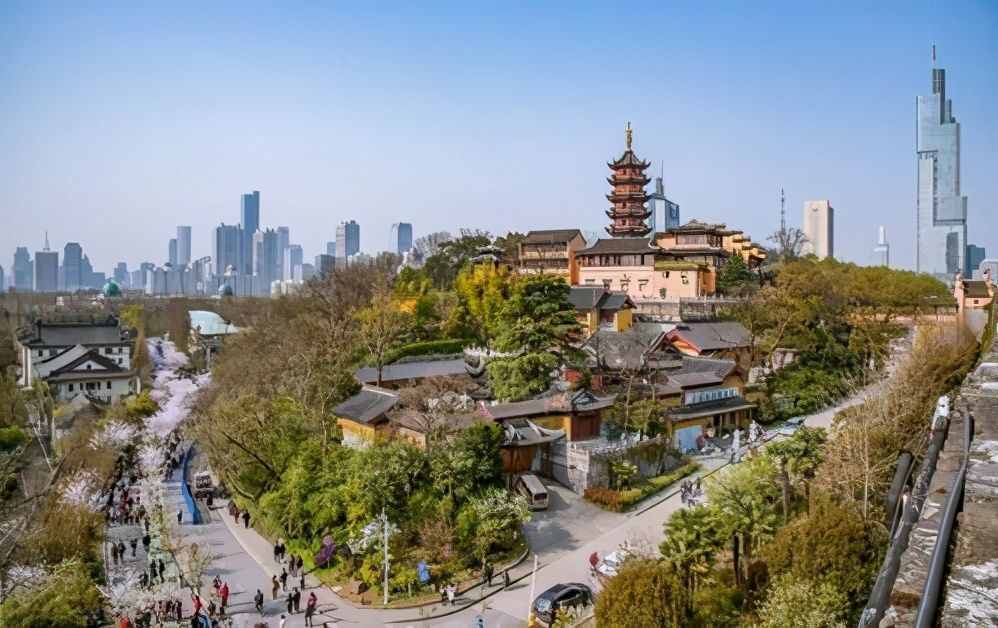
(942, 212)
(401, 238)
(250, 221)
(183, 245)
(347, 239)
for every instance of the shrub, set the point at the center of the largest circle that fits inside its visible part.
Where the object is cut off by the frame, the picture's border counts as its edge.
(619, 501)
(429, 347)
(141, 406)
(793, 601)
(645, 594)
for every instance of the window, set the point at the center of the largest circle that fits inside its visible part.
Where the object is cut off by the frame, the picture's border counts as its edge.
(607, 283)
(70, 388)
(89, 366)
(666, 274)
(625, 284)
(686, 279)
(109, 385)
(590, 282)
(118, 361)
(662, 292)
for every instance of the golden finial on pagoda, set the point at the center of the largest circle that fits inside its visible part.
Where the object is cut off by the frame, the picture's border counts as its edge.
(628, 134)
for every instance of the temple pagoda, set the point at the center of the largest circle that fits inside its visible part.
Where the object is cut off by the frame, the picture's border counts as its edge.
(629, 212)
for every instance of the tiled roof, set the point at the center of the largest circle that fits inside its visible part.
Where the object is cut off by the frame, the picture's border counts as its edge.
(710, 408)
(975, 288)
(712, 336)
(412, 370)
(590, 297)
(70, 334)
(107, 365)
(551, 236)
(368, 405)
(620, 245)
(581, 401)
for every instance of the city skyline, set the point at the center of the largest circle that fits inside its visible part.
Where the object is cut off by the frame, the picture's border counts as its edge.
(333, 160)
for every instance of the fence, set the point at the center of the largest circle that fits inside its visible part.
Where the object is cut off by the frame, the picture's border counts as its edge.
(185, 488)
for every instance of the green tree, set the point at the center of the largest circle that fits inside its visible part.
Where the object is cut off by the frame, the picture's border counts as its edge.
(736, 279)
(382, 325)
(743, 497)
(484, 290)
(67, 598)
(645, 594)
(797, 459)
(492, 519)
(832, 542)
(800, 602)
(453, 255)
(692, 540)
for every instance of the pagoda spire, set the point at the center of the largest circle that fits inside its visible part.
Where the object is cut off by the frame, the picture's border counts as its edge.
(628, 212)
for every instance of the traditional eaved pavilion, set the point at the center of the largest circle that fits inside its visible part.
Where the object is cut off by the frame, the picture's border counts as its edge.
(629, 212)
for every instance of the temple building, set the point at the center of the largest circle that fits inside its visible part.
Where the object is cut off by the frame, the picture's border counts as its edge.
(629, 213)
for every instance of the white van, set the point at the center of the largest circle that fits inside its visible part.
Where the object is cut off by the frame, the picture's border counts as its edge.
(533, 490)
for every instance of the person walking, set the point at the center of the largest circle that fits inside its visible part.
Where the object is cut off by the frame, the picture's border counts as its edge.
(162, 569)
(301, 563)
(134, 543)
(283, 623)
(223, 593)
(277, 550)
(258, 601)
(284, 579)
(488, 574)
(310, 607)
(180, 517)
(291, 604)
(301, 579)
(296, 599)
(114, 553)
(275, 586)
(292, 563)
(451, 590)
(505, 579)
(246, 519)
(146, 540)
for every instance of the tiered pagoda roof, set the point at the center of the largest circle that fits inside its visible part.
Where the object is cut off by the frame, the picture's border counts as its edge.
(628, 212)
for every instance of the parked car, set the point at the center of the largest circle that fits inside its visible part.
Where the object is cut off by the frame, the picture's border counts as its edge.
(791, 426)
(533, 490)
(561, 596)
(612, 562)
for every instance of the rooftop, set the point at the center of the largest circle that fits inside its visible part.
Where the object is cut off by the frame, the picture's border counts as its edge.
(552, 236)
(975, 288)
(712, 336)
(211, 324)
(412, 370)
(106, 332)
(370, 404)
(612, 246)
(598, 297)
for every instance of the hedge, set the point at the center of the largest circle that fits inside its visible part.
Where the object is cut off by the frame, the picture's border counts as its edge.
(429, 347)
(619, 501)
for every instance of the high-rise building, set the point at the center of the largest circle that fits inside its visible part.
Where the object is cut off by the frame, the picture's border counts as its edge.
(24, 270)
(324, 264)
(267, 257)
(975, 255)
(46, 271)
(183, 245)
(3, 280)
(291, 262)
(173, 257)
(941, 228)
(882, 252)
(72, 271)
(331, 248)
(227, 249)
(250, 221)
(819, 229)
(87, 274)
(347, 240)
(401, 238)
(121, 276)
(283, 242)
(664, 213)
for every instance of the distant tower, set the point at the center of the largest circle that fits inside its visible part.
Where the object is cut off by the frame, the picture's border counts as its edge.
(819, 228)
(783, 212)
(660, 206)
(628, 213)
(883, 250)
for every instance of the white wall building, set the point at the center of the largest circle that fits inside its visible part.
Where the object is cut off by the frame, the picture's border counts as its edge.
(819, 228)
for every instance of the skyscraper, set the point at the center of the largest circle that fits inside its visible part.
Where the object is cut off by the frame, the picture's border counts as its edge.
(227, 249)
(173, 257)
(267, 258)
(347, 239)
(401, 238)
(324, 264)
(283, 242)
(46, 271)
(291, 262)
(250, 221)
(183, 245)
(664, 213)
(3, 281)
(24, 270)
(941, 227)
(882, 252)
(72, 271)
(819, 229)
(975, 255)
(331, 248)
(121, 276)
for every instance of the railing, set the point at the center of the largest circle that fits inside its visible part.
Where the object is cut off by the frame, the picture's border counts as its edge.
(929, 604)
(185, 489)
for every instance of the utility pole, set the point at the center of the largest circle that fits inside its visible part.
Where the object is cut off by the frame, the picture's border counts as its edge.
(530, 601)
(384, 529)
(783, 212)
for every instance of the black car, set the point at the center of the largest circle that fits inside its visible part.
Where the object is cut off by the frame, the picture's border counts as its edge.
(570, 595)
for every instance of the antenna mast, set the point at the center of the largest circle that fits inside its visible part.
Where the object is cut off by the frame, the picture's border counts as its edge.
(783, 212)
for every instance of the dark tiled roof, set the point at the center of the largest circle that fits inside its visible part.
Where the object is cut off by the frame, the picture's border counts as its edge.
(622, 349)
(629, 159)
(620, 245)
(581, 401)
(710, 408)
(589, 297)
(712, 336)
(106, 364)
(721, 368)
(370, 404)
(551, 236)
(691, 380)
(412, 370)
(975, 289)
(70, 334)
(696, 226)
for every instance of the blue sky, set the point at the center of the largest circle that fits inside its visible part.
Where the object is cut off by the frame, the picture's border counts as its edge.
(120, 122)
